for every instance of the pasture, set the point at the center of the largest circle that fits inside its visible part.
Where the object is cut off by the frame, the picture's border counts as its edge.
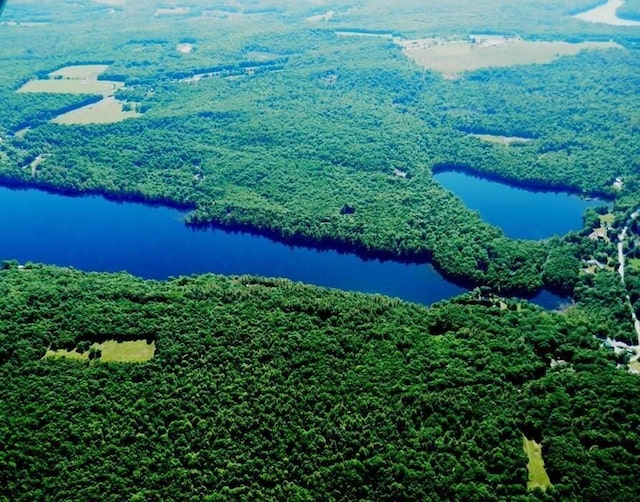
(451, 58)
(106, 111)
(77, 79)
(71, 86)
(82, 72)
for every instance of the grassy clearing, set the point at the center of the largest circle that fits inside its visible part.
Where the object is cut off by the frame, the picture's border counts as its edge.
(22, 132)
(78, 79)
(634, 263)
(71, 86)
(82, 72)
(538, 477)
(36, 162)
(112, 351)
(107, 111)
(607, 219)
(501, 140)
(127, 352)
(455, 57)
(67, 354)
(175, 11)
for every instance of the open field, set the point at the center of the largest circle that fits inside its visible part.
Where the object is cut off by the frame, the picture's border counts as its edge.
(607, 219)
(454, 57)
(184, 48)
(501, 140)
(538, 477)
(175, 11)
(71, 86)
(112, 351)
(107, 111)
(67, 354)
(77, 79)
(127, 352)
(83, 72)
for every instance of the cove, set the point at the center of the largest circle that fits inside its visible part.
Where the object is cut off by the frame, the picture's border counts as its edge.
(95, 234)
(519, 212)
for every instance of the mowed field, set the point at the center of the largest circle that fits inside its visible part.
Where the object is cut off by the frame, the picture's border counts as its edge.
(107, 111)
(79, 79)
(453, 58)
(71, 86)
(83, 72)
(112, 351)
(538, 477)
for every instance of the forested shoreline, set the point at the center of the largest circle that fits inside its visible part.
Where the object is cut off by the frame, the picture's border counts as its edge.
(269, 117)
(239, 182)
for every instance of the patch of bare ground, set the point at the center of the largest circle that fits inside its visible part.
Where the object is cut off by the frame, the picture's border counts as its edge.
(501, 140)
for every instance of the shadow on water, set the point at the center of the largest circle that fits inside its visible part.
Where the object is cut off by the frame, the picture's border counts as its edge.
(150, 241)
(521, 213)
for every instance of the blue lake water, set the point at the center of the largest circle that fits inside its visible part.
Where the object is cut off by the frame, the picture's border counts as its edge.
(94, 234)
(520, 213)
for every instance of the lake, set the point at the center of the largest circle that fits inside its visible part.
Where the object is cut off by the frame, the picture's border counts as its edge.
(95, 234)
(520, 213)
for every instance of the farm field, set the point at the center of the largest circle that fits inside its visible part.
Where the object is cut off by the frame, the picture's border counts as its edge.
(76, 79)
(81, 72)
(452, 58)
(71, 86)
(107, 111)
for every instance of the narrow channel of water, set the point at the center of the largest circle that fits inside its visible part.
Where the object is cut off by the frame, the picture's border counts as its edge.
(520, 213)
(92, 233)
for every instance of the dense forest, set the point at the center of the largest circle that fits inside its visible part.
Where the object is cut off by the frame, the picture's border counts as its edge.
(266, 389)
(306, 122)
